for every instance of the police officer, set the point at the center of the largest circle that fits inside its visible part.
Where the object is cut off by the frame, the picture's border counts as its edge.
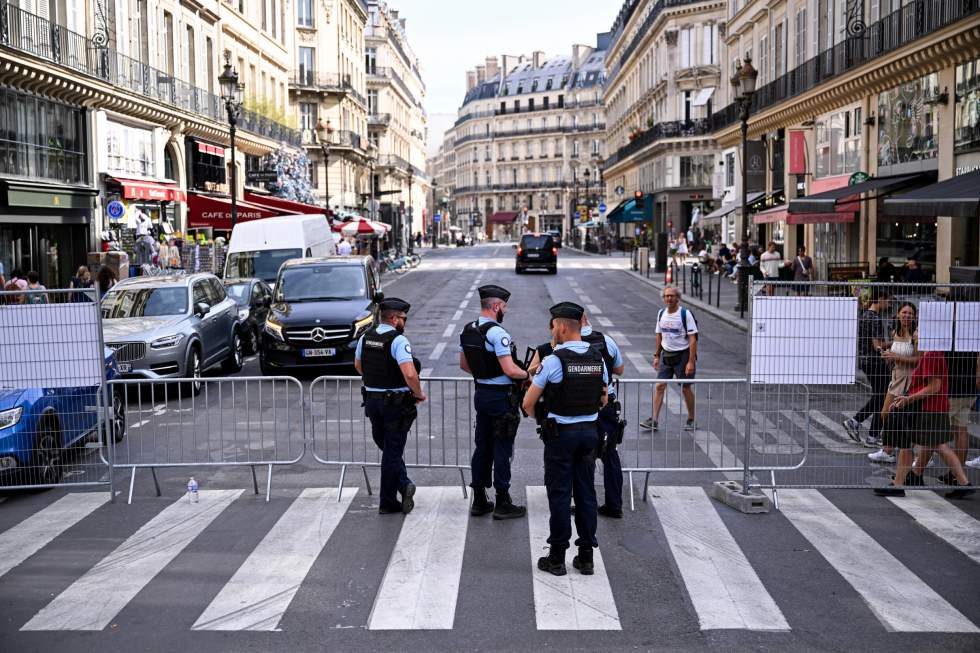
(391, 391)
(487, 352)
(573, 383)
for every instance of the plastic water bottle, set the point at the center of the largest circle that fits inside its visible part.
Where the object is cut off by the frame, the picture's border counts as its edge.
(192, 491)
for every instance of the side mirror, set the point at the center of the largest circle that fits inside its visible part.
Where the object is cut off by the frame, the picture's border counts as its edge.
(514, 246)
(266, 301)
(202, 309)
(378, 297)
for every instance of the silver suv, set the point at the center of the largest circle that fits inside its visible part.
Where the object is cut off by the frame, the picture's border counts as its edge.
(172, 327)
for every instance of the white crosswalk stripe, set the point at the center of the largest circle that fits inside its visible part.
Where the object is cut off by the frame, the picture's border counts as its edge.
(943, 519)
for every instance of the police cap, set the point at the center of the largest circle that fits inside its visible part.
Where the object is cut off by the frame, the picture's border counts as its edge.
(493, 292)
(395, 304)
(569, 310)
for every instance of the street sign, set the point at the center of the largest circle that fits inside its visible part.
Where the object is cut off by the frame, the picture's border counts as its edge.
(437, 217)
(602, 207)
(116, 209)
(858, 177)
(577, 214)
(261, 176)
(620, 191)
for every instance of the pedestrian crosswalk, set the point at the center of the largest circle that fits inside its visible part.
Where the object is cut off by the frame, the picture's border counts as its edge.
(724, 585)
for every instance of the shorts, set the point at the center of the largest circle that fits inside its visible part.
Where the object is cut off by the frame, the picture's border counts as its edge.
(959, 410)
(906, 428)
(675, 370)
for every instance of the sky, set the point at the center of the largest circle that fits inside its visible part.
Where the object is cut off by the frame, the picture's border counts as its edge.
(453, 37)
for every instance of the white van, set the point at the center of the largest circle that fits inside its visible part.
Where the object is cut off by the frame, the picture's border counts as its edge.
(259, 247)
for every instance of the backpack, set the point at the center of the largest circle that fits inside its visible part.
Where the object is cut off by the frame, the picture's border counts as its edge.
(684, 313)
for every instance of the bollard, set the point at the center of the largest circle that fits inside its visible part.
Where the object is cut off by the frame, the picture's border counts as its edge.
(684, 277)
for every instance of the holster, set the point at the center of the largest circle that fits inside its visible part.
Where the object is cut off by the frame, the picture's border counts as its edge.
(600, 448)
(547, 429)
(505, 426)
(620, 429)
(409, 412)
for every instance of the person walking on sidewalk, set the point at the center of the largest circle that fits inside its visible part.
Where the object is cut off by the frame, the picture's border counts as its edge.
(903, 355)
(675, 356)
(770, 262)
(871, 343)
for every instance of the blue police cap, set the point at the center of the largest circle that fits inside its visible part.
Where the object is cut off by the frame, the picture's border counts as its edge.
(493, 292)
(395, 304)
(569, 310)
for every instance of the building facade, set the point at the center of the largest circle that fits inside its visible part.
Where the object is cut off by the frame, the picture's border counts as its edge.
(529, 142)
(442, 171)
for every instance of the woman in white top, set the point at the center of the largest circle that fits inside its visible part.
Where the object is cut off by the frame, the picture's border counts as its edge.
(769, 263)
(902, 356)
(681, 257)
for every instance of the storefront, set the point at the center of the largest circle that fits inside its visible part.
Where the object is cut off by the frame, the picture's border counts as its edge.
(212, 213)
(500, 226)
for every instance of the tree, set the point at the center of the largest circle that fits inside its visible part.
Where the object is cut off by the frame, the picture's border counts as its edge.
(293, 170)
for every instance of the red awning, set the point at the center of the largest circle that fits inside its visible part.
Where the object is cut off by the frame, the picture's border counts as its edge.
(503, 217)
(215, 211)
(781, 214)
(279, 203)
(139, 189)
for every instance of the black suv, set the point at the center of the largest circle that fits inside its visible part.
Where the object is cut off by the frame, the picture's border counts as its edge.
(320, 308)
(537, 251)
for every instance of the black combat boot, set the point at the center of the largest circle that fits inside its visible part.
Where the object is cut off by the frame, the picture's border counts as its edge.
(481, 505)
(583, 561)
(554, 562)
(506, 509)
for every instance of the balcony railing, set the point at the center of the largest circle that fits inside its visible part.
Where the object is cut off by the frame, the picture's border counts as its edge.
(333, 82)
(899, 28)
(662, 130)
(383, 119)
(531, 131)
(339, 138)
(389, 73)
(26, 32)
(644, 29)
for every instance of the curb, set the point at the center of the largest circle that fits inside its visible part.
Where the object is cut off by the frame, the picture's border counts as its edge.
(696, 303)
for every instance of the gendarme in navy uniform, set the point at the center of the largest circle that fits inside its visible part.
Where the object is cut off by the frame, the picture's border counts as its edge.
(391, 390)
(572, 382)
(487, 352)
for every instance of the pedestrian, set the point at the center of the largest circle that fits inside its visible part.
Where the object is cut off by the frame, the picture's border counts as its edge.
(682, 251)
(913, 272)
(802, 271)
(964, 384)
(675, 356)
(391, 391)
(344, 247)
(921, 417)
(487, 352)
(34, 283)
(105, 280)
(572, 381)
(18, 281)
(871, 343)
(902, 356)
(418, 239)
(887, 273)
(770, 262)
(169, 254)
(82, 280)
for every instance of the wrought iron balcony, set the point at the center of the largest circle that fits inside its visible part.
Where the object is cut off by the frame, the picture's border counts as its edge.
(303, 79)
(660, 131)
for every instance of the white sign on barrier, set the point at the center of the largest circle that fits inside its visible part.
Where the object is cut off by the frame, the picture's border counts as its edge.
(50, 346)
(967, 326)
(935, 326)
(801, 340)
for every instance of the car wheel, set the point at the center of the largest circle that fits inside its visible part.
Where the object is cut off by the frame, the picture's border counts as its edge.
(553, 270)
(47, 466)
(117, 417)
(252, 346)
(517, 269)
(233, 364)
(266, 369)
(192, 370)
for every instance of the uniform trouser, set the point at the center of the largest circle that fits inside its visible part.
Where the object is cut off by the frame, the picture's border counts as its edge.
(612, 469)
(569, 471)
(386, 424)
(492, 452)
(879, 376)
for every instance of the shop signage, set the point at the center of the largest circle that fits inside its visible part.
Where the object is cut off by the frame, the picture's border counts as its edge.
(261, 176)
(797, 153)
(858, 177)
(756, 169)
(116, 209)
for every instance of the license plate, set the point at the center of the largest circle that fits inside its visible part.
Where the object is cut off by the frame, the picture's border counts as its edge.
(533, 255)
(125, 368)
(319, 353)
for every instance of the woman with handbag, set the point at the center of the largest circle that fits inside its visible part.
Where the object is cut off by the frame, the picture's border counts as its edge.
(902, 356)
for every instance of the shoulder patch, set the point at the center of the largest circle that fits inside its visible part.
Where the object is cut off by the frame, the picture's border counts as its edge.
(505, 341)
(408, 348)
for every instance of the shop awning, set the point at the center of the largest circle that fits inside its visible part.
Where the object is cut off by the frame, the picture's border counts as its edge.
(781, 214)
(846, 196)
(725, 209)
(957, 197)
(141, 189)
(703, 96)
(288, 206)
(215, 211)
(503, 217)
(628, 212)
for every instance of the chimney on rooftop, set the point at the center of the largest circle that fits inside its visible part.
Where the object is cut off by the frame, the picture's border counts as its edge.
(470, 80)
(537, 58)
(492, 67)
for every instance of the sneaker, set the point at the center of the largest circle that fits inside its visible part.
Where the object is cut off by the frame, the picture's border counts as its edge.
(408, 503)
(853, 429)
(690, 425)
(872, 442)
(881, 456)
(913, 480)
(973, 462)
(608, 511)
(948, 479)
(889, 491)
(650, 425)
(960, 493)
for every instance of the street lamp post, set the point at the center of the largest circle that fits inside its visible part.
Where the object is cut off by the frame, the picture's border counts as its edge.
(435, 211)
(323, 132)
(410, 227)
(231, 93)
(743, 86)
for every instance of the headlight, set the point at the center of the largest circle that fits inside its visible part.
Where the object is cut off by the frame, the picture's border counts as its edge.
(274, 329)
(362, 325)
(243, 314)
(167, 342)
(10, 417)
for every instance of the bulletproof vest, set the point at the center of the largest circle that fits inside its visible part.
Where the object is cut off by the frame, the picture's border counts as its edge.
(545, 350)
(483, 363)
(597, 340)
(380, 369)
(580, 390)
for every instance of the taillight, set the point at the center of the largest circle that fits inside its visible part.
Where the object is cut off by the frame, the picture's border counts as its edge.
(554, 251)
(520, 250)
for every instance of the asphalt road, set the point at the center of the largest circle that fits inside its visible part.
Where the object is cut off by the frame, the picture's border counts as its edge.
(832, 570)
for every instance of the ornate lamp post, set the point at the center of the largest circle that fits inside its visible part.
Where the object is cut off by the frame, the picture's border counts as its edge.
(323, 131)
(231, 92)
(743, 86)
(410, 234)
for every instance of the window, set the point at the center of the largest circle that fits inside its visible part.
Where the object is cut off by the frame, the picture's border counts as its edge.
(51, 140)
(314, 173)
(517, 106)
(764, 72)
(372, 97)
(906, 134)
(547, 101)
(838, 143)
(709, 44)
(530, 104)
(967, 132)
(168, 42)
(306, 66)
(686, 45)
(304, 13)
(686, 100)
(307, 115)
(800, 36)
(503, 107)
(371, 61)
(210, 54)
(779, 50)
(191, 57)
(730, 169)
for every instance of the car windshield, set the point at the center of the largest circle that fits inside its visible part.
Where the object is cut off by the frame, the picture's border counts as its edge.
(263, 265)
(536, 242)
(238, 292)
(144, 302)
(321, 283)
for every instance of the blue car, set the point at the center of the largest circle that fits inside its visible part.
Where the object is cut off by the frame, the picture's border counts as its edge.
(37, 425)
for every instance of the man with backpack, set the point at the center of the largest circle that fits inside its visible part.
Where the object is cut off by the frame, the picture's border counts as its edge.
(675, 356)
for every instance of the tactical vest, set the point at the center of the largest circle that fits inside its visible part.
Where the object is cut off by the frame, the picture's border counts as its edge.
(380, 369)
(597, 340)
(483, 363)
(544, 351)
(580, 390)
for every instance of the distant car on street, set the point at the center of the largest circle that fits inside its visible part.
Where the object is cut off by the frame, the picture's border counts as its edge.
(38, 424)
(320, 308)
(556, 236)
(537, 251)
(172, 327)
(253, 297)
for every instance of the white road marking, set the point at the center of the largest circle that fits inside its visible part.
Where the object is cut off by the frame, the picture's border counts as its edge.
(20, 542)
(463, 304)
(585, 299)
(723, 586)
(829, 443)
(620, 339)
(437, 352)
(838, 429)
(604, 321)
(766, 437)
(94, 600)
(468, 295)
(457, 315)
(944, 519)
(903, 603)
(449, 330)
(642, 365)
(259, 593)
(593, 309)
(421, 583)
(573, 601)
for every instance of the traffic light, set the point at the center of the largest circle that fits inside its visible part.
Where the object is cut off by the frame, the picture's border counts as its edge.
(638, 198)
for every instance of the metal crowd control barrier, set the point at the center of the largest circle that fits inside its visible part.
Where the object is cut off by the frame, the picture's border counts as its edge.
(229, 422)
(717, 442)
(441, 438)
(53, 367)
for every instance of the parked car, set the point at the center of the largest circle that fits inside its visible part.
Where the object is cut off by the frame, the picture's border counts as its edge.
(259, 247)
(38, 424)
(253, 297)
(555, 236)
(172, 327)
(320, 308)
(537, 251)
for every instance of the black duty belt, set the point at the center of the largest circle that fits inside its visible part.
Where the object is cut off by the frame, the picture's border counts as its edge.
(576, 425)
(382, 394)
(494, 386)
